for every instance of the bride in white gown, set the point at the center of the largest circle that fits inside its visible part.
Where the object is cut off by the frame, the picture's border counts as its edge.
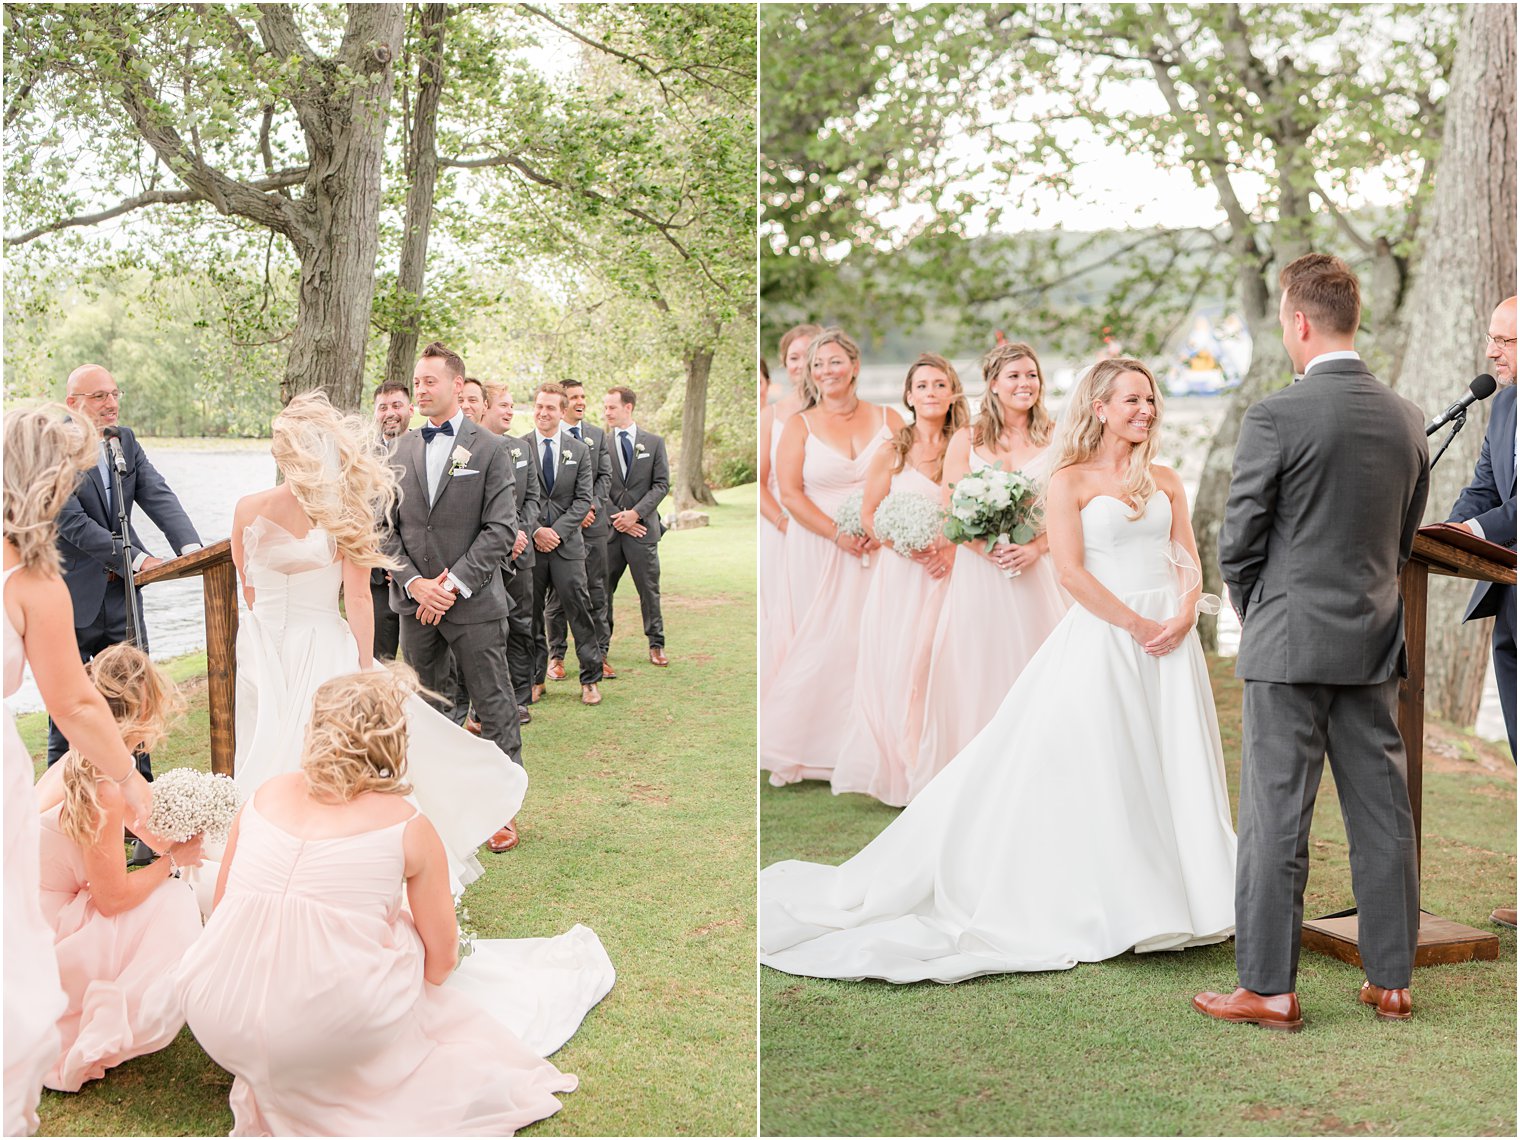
(1090, 817)
(295, 545)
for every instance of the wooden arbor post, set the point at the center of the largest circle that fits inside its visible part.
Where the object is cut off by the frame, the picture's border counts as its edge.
(1438, 549)
(213, 565)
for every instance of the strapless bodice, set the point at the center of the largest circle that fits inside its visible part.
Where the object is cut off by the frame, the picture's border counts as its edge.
(1127, 555)
(291, 576)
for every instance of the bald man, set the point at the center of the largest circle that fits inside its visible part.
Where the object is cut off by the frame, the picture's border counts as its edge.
(89, 540)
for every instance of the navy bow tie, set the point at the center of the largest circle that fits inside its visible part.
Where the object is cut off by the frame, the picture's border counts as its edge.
(446, 428)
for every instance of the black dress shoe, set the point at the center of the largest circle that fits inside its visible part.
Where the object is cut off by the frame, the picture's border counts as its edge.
(523, 715)
(142, 854)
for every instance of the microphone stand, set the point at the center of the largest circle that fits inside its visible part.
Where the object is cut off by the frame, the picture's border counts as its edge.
(128, 574)
(1458, 422)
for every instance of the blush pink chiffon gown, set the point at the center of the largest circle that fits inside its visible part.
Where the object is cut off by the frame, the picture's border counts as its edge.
(803, 722)
(989, 627)
(307, 986)
(897, 627)
(775, 608)
(115, 968)
(34, 999)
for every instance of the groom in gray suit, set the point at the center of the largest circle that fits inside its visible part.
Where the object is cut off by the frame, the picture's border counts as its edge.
(1330, 481)
(451, 530)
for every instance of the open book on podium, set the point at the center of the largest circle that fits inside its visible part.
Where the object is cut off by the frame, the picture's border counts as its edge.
(213, 565)
(1457, 552)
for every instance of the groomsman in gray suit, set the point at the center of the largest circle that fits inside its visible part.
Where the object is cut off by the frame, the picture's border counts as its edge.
(565, 473)
(597, 530)
(452, 528)
(1330, 481)
(518, 568)
(640, 480)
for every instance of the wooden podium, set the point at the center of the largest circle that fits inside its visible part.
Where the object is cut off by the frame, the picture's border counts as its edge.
(213, 565)
(1439, 549)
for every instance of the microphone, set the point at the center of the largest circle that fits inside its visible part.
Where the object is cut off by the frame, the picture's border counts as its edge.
(1480, 389)
(113, 443)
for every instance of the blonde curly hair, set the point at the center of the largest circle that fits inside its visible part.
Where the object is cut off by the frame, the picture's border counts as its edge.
(1081, 430)
(334, 466)
(831, 335)
(144, 702)
(988, 425)
(45, 455)
(956, 415)
(356, 741)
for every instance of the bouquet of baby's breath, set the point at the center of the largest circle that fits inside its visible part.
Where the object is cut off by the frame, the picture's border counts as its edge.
(909, 521)
(188, 803)
(847, 519)
(996, 505)
(466, 931)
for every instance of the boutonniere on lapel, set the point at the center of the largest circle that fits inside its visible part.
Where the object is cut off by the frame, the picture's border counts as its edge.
(638, 449)
(458, 460)
(516, 453)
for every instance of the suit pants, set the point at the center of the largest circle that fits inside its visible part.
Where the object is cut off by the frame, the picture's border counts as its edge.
(480, 651)
(596, 588)
(1504, 658)
(567, 578)
(1289, 730)
(108, 628)
(520, 632)
(642, 560)
(387, 623)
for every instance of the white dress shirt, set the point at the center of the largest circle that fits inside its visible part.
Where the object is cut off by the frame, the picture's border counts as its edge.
(617, 445)
(1326, 357)
(435, 454)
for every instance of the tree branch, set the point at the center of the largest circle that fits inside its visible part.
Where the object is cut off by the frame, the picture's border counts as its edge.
(1342, 222)
(277, 181)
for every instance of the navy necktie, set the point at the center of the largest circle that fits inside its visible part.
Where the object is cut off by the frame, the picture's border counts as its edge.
(549, 466)
(428, 432)
(627, 453)
(576, 431)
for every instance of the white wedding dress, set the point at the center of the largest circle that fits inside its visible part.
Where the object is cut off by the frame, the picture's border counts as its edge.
(292, 641)
(1088, 818)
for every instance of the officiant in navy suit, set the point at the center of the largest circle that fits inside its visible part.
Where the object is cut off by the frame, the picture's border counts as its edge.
(88, 541)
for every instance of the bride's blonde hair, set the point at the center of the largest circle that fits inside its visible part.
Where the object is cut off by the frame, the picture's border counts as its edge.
(356, 741)
(1082, 431)
(45, 455)
(144, 702)
(333, 465)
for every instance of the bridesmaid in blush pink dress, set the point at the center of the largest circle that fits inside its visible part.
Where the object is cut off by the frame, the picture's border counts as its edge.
(775, 603)
(45, 456)
(117, 933)
(825, 452)
(319, 981)
(990, 624)
(903, 603)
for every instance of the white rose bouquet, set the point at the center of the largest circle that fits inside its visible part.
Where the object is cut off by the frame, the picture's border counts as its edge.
(847, 519)
(996, 506)
(909, 521)
(188, 803)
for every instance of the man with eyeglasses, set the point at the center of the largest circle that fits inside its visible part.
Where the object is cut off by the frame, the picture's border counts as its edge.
(88, 541)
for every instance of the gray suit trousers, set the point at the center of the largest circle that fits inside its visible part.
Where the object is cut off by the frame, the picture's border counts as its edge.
(1289, 730)
(567, 578)
(642, 560)
(520, 639)
(479, 651)
(600, 601)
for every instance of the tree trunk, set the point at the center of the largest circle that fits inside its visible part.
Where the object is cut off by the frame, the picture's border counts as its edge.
(340, 232)
(422, 169)
(691, 488)
(1466, 268)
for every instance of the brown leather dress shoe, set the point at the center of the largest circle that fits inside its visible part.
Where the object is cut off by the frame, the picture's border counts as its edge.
(556, 670)
(1392, 1005)
(657, 656)
(1504, 916)
(523, 715)
(1270, 1011)
(608, 672)
(538, 693)
(472, 725)
(590, 695)
(505, 839)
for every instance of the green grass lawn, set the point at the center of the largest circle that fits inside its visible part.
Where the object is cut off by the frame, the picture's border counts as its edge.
(639, 822)
(1114, 1048)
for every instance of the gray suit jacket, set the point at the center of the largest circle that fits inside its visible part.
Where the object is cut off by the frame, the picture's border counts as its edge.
(595, 440)
(1329, 484)
(566, 507)
(647, 483)
(529, 496)
(468, 529)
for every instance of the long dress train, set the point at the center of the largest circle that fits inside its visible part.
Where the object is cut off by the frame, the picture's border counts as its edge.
(34, 999)
(1088, 818)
